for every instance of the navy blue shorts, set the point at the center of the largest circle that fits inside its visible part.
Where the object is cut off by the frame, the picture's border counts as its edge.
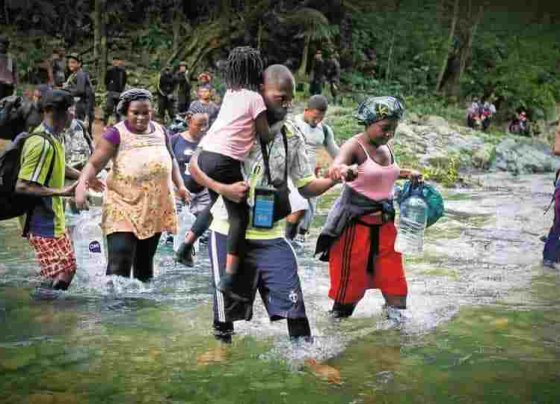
(269, 266)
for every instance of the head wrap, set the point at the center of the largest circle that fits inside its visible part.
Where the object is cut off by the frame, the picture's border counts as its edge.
(134, 94)
(374, 109)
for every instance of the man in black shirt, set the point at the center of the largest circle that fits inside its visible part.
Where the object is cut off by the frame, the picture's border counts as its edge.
(333, 75)
(8, 69)
(166, 98)
(184, 88)
(115, 83)
(79, 86)
(317, 74)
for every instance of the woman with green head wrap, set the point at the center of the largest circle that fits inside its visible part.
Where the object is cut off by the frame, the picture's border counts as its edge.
(359, 235)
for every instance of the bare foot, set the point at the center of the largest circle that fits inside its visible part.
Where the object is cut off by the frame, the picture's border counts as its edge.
(325, 372)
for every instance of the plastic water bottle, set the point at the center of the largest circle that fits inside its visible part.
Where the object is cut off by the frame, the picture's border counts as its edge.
(412, 224)
(88, 245)
(186, 220)
(71, 214)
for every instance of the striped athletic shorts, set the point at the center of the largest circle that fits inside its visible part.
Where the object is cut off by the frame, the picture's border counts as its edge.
(363, 258)
(55, 255)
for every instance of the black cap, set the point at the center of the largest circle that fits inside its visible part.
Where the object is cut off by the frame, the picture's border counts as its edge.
(59, 100)
(75, 56)
(5, 40)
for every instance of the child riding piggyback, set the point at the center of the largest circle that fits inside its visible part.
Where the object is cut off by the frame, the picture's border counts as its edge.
(242, 120)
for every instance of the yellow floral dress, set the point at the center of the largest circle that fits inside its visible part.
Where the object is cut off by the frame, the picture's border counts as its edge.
(139, 197)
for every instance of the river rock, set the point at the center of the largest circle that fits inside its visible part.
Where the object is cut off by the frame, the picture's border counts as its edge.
(521, 156)
(484, 156)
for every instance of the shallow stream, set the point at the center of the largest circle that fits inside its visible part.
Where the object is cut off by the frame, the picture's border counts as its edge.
(483, 324)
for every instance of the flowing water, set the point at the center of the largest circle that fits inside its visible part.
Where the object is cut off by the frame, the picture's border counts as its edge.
(483, 324)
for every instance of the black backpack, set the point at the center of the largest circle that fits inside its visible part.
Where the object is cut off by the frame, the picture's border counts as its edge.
(13, 204)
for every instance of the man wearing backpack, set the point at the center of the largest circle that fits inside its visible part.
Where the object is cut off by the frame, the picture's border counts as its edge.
(41, 175)
(79, 86)
(318, 136)
(8, 69)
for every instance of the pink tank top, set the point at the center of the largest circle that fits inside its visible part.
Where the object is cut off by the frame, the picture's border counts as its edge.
(374, 180)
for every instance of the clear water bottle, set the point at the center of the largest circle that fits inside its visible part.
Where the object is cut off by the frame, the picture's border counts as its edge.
(71, 214)
(88, 245)
(186, 220)
(412, 224)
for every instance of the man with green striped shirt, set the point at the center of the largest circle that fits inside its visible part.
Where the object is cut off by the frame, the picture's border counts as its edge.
(42, 173)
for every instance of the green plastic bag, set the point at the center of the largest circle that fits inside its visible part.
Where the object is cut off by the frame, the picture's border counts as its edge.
(431, 196)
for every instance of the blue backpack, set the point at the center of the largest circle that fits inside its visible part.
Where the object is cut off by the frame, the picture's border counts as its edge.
(429, 194)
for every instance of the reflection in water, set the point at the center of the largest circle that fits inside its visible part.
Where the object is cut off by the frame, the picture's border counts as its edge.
(480, 305)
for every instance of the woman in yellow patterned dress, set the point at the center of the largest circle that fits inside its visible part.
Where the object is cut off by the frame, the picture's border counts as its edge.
(139, 201)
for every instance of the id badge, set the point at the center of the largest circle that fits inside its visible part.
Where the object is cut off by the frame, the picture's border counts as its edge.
(263, 208)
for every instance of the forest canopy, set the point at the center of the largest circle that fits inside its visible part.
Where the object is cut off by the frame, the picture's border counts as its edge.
(457, 49)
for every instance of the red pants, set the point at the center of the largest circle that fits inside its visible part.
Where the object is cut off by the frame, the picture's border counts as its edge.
(349, 259)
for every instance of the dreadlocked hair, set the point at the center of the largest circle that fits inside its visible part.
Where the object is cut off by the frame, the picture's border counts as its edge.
(244, 68)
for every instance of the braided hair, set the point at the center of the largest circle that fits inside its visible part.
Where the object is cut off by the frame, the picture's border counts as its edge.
(244, 68)
(134, 94)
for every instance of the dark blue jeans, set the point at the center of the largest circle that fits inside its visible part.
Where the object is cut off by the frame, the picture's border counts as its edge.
(551, 250)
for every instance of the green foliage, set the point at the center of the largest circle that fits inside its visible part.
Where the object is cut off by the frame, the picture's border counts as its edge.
(518, 62)
(445, 172)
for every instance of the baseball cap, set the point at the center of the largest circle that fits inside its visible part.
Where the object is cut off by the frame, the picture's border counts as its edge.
(59, 100)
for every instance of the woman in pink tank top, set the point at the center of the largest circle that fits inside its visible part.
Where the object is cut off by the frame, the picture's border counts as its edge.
(362, 256)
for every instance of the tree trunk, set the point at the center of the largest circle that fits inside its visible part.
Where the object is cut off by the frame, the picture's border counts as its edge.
(466, 54)
(345, 28)
(104, 49)
(303, 66)
(176, 25)
(439, 83)
(388, 70)
(98, 34)
(259, 35)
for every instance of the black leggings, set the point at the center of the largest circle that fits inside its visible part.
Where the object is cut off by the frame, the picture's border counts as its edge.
(226, 170)
(127, 251)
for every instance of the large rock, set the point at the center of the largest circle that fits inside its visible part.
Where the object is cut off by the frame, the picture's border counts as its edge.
(524, 156)
(484, 156)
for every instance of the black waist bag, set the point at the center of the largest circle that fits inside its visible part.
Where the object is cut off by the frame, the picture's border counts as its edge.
(282, 206)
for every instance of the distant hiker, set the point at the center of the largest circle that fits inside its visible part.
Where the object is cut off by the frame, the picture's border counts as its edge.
(80, 87)
(318, 136)
(166, 97)
(115, 83)
(183, 88)
(551, 252)
(487, 112)
(332, 74)
(474, 114)
(317, 74)
(42, 174)
(8, 69)
(139, 203)
(520, 124)
(359, 235)
(204, 104)
(57, 68)
(184, 145)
